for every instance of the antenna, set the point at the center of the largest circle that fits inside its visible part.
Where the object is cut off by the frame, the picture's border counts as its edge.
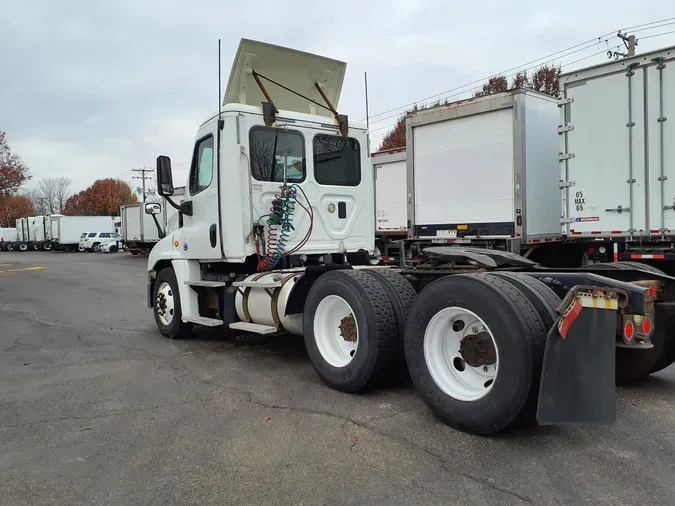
(220, 107)
(365, 76)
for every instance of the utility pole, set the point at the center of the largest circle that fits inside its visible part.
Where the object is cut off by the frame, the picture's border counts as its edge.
(142, 177)
(629, 41)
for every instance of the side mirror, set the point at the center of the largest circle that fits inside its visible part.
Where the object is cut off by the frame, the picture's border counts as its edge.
(153, 208)
(164, 176)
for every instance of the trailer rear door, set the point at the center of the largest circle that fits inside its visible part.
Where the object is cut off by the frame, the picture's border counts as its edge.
(464, 171)
(390, 192)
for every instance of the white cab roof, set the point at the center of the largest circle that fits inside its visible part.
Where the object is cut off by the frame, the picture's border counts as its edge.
(293, 69)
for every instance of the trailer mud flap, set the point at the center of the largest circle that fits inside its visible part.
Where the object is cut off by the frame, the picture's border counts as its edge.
(577, 380)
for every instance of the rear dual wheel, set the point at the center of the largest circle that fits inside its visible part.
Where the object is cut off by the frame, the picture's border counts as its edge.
(474, 346)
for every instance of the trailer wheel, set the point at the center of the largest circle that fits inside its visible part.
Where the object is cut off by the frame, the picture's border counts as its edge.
(23, 246)
(10, 247)
(166, 306)
(350, 330)
(46, 246)
(402, 295)
(36, 246)
(472, 344)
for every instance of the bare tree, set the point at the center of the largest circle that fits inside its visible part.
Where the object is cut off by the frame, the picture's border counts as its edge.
(55, 192)
(38, 201)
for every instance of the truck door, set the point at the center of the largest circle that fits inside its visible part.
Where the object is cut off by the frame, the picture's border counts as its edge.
(200, 234)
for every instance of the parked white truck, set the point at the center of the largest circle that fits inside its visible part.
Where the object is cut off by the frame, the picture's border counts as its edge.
(276, 228)
(66, 230)
(142, 231)
(7, 238)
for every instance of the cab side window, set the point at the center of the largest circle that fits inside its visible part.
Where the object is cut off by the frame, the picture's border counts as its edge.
(276, 153)
(201, 173)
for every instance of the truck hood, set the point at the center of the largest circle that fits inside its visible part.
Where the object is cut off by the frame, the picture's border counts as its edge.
(293, 69)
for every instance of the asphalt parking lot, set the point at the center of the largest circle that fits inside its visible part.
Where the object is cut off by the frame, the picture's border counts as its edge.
(96, 407)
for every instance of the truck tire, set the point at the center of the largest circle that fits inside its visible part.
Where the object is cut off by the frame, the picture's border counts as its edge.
(541, 296)
(36, 246)
(635, 365)
(46, 246)
(350, 331)
(462, 307)
(402, 295)
(10, 247)
(166, 306)
(23, 246)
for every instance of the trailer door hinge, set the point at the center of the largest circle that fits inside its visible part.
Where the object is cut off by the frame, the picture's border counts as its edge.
(565, 101)
(669, 208)
(565, 156)
(566, 184)
(566, 221)
(662, 119)
(618, 209)
(663, 178)
(565, 128)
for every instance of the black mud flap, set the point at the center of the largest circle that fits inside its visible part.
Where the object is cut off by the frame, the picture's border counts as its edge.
(577, 379)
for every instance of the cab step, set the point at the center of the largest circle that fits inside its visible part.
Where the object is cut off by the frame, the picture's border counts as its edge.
(254, 328)
(255, 284)
(202, 320)
(206, 283)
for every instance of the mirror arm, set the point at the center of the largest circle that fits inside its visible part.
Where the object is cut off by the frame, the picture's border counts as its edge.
(185, 207)
(160, 232)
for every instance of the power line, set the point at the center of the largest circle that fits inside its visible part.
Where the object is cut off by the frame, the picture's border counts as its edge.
(657, 35)
(593, 41)
(143, 178)
(389, 125)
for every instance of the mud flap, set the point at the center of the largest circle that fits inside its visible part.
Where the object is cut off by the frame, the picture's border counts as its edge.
(577, 380)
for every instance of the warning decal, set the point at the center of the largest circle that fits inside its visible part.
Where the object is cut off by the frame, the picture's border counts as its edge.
(588, 218)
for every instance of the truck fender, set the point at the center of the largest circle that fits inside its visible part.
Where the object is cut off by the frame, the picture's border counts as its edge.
(296, 300)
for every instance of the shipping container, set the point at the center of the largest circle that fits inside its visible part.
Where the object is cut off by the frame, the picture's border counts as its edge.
(139, 229)
(617, 155)
(66, 230)
(485, 168)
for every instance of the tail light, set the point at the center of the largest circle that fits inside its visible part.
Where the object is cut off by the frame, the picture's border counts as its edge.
(646, 326)
(628, 331)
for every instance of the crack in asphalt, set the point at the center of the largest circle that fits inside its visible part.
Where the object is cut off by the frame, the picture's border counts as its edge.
(95, 417)
(445, 465)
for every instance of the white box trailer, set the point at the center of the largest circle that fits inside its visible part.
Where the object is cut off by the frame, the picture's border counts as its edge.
(617, 154)
(139, 230)
(391, 208)
(485, 168)
(66, 230)
(7, 238)
(39, 229)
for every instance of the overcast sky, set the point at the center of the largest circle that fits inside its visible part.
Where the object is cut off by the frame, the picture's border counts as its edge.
(92, 89)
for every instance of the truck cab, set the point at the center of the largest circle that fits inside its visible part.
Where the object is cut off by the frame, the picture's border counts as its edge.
(242, 159)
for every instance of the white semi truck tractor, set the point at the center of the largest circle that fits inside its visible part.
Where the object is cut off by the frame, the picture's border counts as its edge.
(276, 229)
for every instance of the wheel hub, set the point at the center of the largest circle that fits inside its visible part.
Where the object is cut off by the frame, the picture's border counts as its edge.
(348, 328)
(477, 349)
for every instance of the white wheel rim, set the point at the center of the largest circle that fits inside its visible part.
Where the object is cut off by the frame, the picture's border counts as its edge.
(448, 368)
(333, 316)
(164, 303)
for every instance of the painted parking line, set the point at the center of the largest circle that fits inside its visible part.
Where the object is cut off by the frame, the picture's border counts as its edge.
(36, 268)
(6, 265)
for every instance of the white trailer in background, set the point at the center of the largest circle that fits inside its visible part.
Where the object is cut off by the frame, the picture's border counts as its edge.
(66, 230)
(617, 157)
(22, 235)
(391, 208)
(39, 230)
(7, 239)
(484, 171)
(139, 230)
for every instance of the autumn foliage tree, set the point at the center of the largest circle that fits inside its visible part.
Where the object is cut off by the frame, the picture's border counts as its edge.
(543, 80)
(13, 207)
(13, 172)
(103, 198)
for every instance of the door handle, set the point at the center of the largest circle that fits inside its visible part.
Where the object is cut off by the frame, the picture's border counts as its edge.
(212, 235)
